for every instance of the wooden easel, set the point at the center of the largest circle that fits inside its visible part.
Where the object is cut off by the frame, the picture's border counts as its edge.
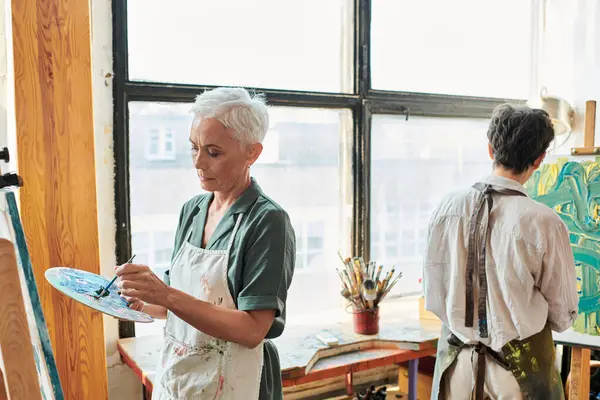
(579, 387)
(20, 373)
(589, 133)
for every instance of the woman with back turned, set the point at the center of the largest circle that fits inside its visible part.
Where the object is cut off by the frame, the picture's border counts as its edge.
(499, 273)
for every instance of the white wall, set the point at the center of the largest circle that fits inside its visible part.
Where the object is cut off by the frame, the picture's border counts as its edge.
(570, 66)
(7, 120)
(3, 75)
(122, 382)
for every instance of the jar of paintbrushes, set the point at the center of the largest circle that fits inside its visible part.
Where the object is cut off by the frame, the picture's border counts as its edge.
(364, 286)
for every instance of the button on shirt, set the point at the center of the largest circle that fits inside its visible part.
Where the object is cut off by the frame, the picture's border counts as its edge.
(530, 268)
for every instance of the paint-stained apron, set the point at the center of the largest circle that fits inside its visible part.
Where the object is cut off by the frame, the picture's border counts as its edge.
(194, 365)
(530, 360)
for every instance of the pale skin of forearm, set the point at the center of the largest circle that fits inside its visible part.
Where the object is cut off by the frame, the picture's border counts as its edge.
(247, 328)
(218, 324)
(156, 312)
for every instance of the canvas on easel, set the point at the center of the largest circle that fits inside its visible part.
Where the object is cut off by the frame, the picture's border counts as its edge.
(572, 189)
(11, 231)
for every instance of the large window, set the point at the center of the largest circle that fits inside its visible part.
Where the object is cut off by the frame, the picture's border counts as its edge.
(465, 47)
(414, 164)
(378, 108)
(275, 44)
(300, 171)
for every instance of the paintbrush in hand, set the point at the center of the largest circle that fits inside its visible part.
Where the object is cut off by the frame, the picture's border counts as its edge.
(104, 291)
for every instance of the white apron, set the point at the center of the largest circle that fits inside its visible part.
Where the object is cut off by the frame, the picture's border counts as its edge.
(194, 365)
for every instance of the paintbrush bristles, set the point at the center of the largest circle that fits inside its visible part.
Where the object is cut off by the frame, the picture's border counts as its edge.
(369, 284)
(370, 292)
(360, 282)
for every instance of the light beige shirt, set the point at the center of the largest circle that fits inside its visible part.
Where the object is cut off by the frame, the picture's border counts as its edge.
(530, 268)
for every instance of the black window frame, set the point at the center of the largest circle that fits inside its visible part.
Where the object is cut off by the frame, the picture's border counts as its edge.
(364, 103)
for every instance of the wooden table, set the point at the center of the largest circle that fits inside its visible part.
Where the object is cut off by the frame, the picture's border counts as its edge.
(402, 338)
(574, 339)
(577, 363)
(141, 355)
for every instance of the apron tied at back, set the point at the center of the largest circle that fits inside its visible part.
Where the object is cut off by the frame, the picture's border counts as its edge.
(478, 229)
(481, 351)
(530, 360)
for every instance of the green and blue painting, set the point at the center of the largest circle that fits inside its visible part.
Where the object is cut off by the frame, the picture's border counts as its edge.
(572, 189)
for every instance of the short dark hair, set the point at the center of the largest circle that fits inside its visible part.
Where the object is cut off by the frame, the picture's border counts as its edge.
(519, 136)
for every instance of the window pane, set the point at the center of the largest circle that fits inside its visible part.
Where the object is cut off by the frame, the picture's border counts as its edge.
(305, 173)
(164, 239)
(305, 179)
(315, 244)
(163, 258)
(391, 236)
(391, 251)
(140, 241)
(141, 257)
(300, 241)
(301, 45)
(461, 47)
(408, 251)
(448, 153)
(408, 234)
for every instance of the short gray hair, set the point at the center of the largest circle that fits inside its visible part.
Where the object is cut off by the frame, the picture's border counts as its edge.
(246, 115)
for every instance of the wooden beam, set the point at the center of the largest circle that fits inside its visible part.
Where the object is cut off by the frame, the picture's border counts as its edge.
(55, 146)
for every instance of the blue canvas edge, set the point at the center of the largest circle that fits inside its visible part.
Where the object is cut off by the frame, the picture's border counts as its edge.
(34, 295)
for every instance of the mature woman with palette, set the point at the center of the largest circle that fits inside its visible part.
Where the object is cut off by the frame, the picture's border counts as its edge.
(233, 263)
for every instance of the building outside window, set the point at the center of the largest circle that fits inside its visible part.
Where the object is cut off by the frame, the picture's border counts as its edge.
(161, 145)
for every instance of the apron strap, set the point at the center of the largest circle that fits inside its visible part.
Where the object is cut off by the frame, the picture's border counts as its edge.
(235, 229)
(478, 229)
